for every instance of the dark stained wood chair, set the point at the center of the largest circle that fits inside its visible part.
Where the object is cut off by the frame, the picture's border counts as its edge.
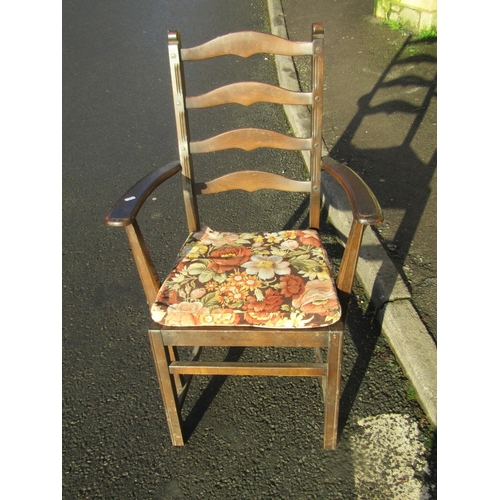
(248, 289)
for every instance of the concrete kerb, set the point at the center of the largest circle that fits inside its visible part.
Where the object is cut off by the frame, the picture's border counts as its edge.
(407, 336)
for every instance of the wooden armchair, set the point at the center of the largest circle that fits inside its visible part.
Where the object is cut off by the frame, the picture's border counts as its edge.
(248, 289)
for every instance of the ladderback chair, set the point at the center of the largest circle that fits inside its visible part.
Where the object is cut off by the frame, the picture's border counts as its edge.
(248, 289)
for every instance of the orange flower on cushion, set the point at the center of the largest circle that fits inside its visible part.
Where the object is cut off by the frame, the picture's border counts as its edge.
(271, 303)
(180, 266)
(185, 314)
(232, 294)
(252, 283)
(318, 298)
(292, 286)
(238, 278)
(309, 237)
(236, 294)
(211, 286)
(263, 318)
(169, 296)
(227, 258)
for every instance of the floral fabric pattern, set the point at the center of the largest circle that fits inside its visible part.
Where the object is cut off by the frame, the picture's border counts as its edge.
(273, 280)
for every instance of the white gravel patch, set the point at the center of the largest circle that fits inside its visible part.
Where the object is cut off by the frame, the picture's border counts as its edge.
(387, 455)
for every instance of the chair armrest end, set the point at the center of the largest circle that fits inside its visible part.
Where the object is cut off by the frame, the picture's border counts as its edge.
(127, 207)
(365, 207)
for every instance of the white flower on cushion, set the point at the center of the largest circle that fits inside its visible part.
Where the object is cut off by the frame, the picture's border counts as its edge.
(267, 266)
(158, 312)
(290, 244)
(273, 238)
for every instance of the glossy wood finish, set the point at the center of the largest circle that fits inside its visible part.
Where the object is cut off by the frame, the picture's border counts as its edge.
(245, 44)
(365, 210)
(175, 375)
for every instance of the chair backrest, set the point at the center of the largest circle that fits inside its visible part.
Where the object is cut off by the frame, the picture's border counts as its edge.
(245, 44)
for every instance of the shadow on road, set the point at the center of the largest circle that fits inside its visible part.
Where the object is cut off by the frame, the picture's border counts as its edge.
(391, 144)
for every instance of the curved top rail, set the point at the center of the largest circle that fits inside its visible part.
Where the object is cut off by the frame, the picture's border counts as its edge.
(245, 44)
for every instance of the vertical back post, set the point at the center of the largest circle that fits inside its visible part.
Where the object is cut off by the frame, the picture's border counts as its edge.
(317, 79)
(181, 122)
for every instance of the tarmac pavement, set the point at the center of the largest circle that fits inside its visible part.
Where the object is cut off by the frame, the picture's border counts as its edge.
(401, 97)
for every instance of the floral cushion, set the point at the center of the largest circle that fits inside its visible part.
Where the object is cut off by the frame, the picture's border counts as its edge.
(278, 280)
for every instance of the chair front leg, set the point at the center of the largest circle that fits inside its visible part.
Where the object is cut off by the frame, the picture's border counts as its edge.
(332, 390)
(167, 387)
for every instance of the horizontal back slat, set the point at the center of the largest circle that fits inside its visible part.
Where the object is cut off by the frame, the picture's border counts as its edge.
(245, 44)
(250, 139)
(247, 93)
(250, 180)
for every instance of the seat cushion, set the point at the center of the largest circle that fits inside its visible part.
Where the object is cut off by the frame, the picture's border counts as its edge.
(270, 280)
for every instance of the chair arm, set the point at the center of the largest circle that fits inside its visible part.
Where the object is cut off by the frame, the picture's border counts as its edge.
(126, 209)
(365, 207)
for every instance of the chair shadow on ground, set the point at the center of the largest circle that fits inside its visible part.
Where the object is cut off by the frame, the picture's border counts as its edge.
(406, 187)
(208, 395)
(401, 173)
